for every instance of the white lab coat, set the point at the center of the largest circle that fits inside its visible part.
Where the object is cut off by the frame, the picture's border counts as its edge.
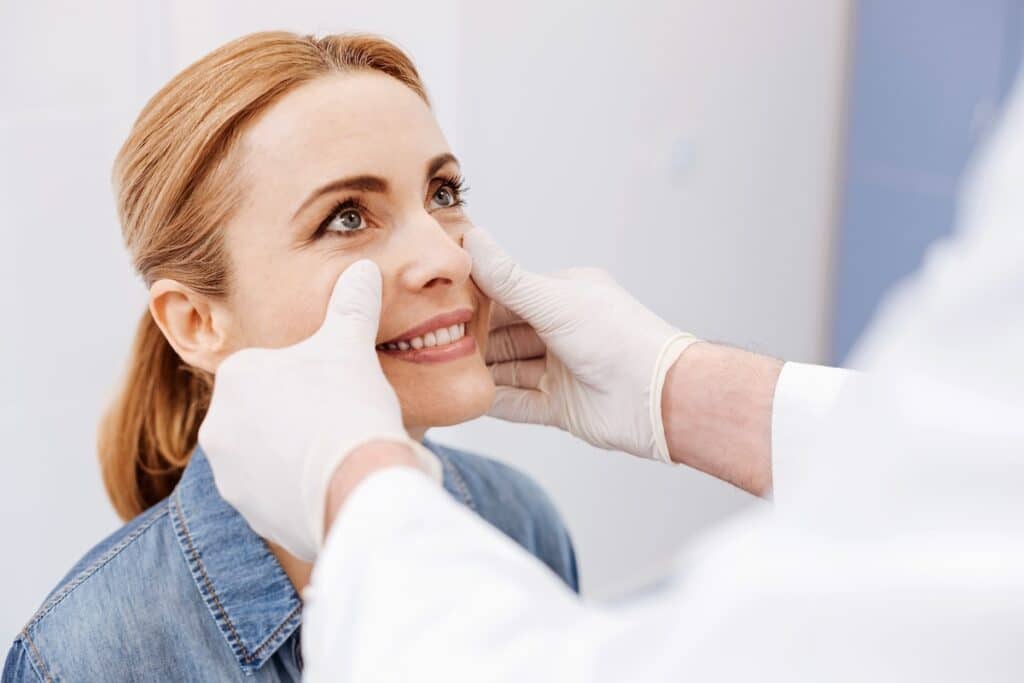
(894, 550)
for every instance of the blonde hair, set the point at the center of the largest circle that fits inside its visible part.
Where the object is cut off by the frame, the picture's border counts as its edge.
(175, 180)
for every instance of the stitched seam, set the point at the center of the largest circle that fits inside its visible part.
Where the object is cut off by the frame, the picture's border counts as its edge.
(36, 658)
(271, 638)
(223, 615)
(91, 569)
(460, 483)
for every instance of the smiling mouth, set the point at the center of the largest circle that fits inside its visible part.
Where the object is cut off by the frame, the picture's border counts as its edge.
(442, 338)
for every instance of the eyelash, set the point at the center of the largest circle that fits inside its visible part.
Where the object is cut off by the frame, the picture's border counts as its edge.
(455, 183)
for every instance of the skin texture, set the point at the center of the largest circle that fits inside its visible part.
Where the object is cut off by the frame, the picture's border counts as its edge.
(717, 410)
(282, 273)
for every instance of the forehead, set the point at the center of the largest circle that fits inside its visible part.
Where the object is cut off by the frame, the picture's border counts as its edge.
(342, 124)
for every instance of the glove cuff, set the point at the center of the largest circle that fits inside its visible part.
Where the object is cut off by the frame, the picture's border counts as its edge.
(669, 354)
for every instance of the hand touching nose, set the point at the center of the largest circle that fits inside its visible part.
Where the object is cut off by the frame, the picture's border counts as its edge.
(575, 351)
(281, 421)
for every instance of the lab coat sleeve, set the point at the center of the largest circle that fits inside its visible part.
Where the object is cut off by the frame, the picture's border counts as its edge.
(858, 567)
(412, 586)
(805, 396)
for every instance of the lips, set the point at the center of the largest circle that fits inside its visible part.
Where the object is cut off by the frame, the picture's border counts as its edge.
(433, 325)
(441, 338)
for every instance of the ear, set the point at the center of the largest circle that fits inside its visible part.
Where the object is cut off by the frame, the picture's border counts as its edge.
(191, 322)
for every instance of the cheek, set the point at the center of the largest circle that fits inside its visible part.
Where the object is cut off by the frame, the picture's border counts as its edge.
(286, 320)
(482, 326)
(282, 314)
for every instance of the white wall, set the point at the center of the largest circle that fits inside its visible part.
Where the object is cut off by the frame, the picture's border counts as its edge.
(69, 302)
(688, 147)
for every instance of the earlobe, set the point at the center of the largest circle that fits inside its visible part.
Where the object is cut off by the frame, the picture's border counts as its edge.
(187, 320)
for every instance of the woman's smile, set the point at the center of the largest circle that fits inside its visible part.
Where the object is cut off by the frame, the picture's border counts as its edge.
(440, 339)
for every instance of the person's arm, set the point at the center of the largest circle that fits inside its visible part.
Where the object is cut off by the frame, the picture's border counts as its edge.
(743, 417)
(576, 351)
(410, 586)
(717, 410)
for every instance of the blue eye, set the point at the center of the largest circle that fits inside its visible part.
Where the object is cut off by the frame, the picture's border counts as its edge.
(349, 219)
(345, 219)
(444, 197)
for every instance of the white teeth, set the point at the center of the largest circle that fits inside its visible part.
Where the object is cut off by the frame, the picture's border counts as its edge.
(439, 337)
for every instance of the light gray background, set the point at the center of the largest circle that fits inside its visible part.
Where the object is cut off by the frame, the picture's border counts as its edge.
(688, 147)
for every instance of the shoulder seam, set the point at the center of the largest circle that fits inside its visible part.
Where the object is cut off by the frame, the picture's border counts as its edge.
(35, 659)
(74, 583)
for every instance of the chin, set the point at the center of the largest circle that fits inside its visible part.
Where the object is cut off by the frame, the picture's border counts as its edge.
(439, 396)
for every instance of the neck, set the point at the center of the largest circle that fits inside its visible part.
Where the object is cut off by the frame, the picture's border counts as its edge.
(298, 571)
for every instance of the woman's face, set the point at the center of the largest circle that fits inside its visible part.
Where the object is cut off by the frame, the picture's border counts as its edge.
(349, 167)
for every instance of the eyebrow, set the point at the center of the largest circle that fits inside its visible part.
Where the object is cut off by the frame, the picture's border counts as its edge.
(435, 164)
(369, 183)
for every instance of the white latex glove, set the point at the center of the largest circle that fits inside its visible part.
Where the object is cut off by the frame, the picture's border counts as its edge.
(576, 351)
(282, 420)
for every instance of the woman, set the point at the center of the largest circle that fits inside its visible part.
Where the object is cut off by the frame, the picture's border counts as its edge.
(246, 186)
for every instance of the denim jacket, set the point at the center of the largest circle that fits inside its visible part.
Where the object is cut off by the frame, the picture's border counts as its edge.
(188, 592)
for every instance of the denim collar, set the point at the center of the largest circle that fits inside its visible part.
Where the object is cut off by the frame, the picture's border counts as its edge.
(247, 592)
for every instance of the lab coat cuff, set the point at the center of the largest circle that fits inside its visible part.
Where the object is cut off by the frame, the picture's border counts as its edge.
(804, 396)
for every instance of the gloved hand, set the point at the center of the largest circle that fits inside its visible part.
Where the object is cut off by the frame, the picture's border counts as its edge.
(576, 351)
(282, 420)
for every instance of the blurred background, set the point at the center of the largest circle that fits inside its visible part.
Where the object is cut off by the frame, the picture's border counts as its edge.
(758, 173)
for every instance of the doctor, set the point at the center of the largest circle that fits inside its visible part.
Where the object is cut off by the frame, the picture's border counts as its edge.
(894, 551)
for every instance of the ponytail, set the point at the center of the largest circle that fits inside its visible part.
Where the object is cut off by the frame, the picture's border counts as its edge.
(151, 427)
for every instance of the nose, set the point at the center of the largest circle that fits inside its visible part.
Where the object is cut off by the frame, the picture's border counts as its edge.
(432, 257)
